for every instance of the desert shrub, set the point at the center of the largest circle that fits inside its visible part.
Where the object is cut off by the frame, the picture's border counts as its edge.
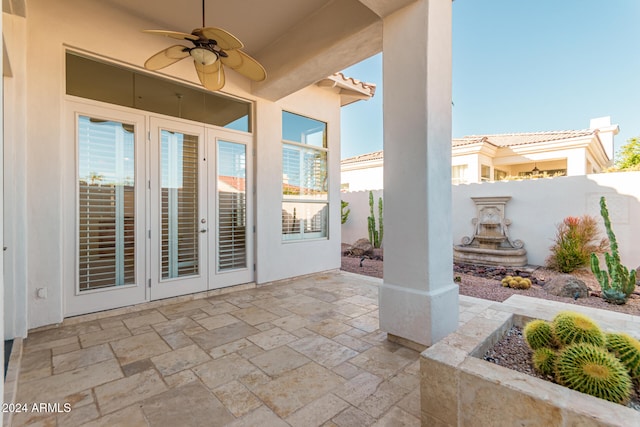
(576, 239)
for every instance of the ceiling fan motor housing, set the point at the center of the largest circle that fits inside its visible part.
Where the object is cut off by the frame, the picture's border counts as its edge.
(204, 55)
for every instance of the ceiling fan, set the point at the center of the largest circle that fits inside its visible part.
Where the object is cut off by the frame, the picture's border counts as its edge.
(212, 49)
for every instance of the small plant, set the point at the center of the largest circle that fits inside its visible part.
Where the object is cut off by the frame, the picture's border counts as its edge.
(538, 334)
(592, 370)
(570, 328)
(344, 211)
(619, 283)
(544, 360)
(627, 350)
(576, 239)
(375, 236)
(516, 282)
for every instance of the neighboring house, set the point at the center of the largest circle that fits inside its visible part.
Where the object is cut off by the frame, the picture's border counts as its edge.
(481, 158)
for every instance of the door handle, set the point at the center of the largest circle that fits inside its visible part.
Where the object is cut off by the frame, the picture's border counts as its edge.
(204, 230)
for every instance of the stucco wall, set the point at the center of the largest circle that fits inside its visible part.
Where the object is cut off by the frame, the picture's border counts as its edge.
(363, 179)
(45, 142)
(536, 207)
(356, 226)
(278, 259)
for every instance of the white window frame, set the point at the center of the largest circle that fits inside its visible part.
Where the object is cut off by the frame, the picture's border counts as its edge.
(323, 199)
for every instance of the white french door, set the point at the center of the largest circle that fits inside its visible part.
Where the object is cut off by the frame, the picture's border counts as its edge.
(163, 208)
(108, 211)
(179, 221)
(230, 162)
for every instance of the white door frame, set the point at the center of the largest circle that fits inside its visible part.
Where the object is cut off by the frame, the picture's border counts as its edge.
(165, 288)
(80, 302)
(148, 285)
(223, 278)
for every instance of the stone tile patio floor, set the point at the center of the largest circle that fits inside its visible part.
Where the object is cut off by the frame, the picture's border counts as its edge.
(304, 352)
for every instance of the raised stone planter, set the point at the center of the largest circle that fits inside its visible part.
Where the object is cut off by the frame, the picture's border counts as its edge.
(458, 388)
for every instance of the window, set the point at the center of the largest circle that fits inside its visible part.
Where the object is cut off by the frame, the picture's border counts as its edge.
(305, 207)
(179, 172)
(499, 175)
(485, 173)
(459, 174)
(232, 206)
(92, 79)
(106, 207)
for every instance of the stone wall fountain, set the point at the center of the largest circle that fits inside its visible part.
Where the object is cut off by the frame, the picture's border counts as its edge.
(491, 243)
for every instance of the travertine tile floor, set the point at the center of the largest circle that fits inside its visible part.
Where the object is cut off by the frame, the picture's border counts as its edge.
(306, 352)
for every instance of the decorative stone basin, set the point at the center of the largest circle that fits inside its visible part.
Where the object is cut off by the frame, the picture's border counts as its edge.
(491, 243)
(459, 388)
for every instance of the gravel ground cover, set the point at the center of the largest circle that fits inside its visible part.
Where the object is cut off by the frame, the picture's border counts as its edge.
(484, 282)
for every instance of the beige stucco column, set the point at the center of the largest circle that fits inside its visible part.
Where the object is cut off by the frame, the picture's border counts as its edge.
(418, 299)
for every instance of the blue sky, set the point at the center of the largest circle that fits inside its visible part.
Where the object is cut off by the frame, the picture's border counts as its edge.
(526, 66)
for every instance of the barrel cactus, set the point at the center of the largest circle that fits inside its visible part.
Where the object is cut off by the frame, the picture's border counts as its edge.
(544, 360)
(516, 282)
(627, 350)
(570, 327)
(538, 334)
(592, 370)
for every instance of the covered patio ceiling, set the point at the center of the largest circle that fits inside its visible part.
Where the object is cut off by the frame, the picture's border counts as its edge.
(298, 42)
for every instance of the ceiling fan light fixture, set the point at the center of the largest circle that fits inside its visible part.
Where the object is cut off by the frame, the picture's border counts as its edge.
(203, 56)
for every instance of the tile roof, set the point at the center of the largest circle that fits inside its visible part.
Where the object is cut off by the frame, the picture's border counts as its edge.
(511, 139)
(369, 88)
(497, 140)
(376, 155)
(350, 89)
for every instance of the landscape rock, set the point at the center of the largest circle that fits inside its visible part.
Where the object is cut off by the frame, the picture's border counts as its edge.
(361, 247)
(566, 285)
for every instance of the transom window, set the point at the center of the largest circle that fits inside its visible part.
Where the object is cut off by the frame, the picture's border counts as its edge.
(305, 202)
(92, 79)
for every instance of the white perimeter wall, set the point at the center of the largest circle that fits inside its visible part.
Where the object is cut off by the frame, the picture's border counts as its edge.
(363, 179)
(356, 226)
(535, 208)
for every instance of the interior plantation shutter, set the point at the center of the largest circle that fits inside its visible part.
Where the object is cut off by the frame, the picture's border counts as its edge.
(232, 206)
(179, 198)
(106, 204)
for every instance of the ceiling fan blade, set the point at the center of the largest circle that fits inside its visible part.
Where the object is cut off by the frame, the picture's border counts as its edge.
(244, 64)
(223, 38)
(173, 34)
(166, 57)
(211, 76)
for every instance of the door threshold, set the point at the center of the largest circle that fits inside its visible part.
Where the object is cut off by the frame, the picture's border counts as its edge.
(73, 320)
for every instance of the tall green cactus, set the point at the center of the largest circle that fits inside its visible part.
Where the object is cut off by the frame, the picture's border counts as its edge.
(618, 284)
(375, 236)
